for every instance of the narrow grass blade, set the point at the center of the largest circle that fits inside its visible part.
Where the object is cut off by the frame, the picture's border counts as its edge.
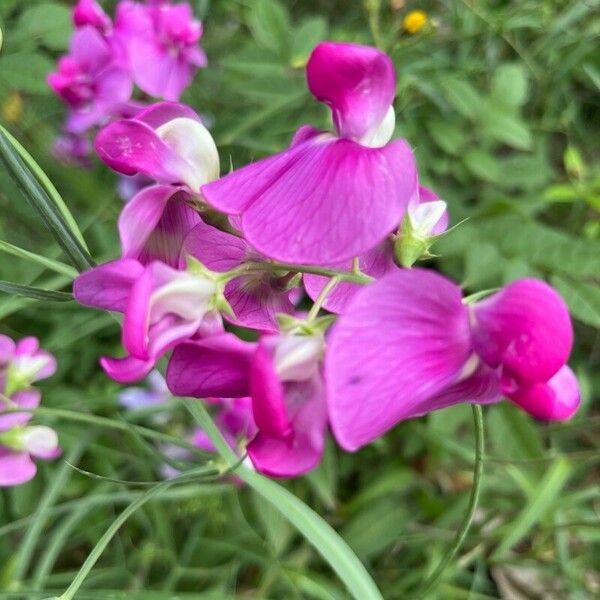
(540, 502)
(42, 203)
(313, 527)
(48, 186)
(35, 293)
(53, 265)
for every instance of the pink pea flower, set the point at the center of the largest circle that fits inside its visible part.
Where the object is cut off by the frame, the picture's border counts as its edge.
(428, 216)
(408, 344)
(256, 297)
(165, 142)
(162, 307)
(283, 376)
(162, 45)
(329, 197)
(90, 80)
(89, 12)
(19, 446)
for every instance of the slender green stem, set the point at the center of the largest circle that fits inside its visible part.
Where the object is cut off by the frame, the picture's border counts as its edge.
(99, 548)
(312, 269)
(105, 422)
(461, 534)
(34, 532)
(327, 289)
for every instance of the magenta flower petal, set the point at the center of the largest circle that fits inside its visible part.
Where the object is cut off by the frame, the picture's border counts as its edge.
(15, 467)
(215, 366)
(321, 201)
(29, 398)
(155, 223)
(401, 341)
(130, 147)
(302, 449)
(268, 396)
(526, 327)
(357, 82)
(376, 263)
(89, 12)
(7, 350)
(162, 112)
(555, 400)
(127, 369)
(107, 286)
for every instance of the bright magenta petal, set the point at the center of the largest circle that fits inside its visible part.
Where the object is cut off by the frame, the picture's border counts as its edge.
(401, 341)
(321, 201)
(357, 82)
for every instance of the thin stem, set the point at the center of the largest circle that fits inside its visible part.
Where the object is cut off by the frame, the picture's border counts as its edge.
(316, 307)
(68, 415)
(312, 269)
(461, 534)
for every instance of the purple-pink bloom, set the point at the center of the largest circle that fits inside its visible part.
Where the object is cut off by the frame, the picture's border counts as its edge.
(89, 12)
(155, 222)
(165, 142)
(162, 307)
(73, 150)
(90, 80)
(283, 376)
(19, 446)
(329, 197)
(157, 392)
(256, 296)
(161, 41)
(408, 344)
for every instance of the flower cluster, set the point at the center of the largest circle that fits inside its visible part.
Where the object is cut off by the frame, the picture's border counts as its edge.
(153, 46)
(339, 216)
(22, 363)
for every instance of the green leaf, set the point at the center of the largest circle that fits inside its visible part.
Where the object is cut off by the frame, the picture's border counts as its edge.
(270, 25)
(583, 298)
(482, 164)
(44, 198)
(449, 136)
(461, 95)
(313, 527)
(539, 504)
(25, 72)
(49, 23)
(509, 85)
(310, 32)
(505, 127)
(34, 293)
(53, 265)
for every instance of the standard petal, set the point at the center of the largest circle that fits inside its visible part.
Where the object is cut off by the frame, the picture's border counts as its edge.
(320, 202)
(107, 286)
(376, 263)
(555, 400)
(526, 327)
(217, 366)
(162, 112)
(357, 82)
(155, 223)
(401, 341)
(15, 467)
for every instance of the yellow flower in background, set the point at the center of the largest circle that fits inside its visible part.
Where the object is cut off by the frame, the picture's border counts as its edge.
(414, 21)
(12, 110)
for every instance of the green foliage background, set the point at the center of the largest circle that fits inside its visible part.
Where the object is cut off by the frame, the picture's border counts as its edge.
(499, 99)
